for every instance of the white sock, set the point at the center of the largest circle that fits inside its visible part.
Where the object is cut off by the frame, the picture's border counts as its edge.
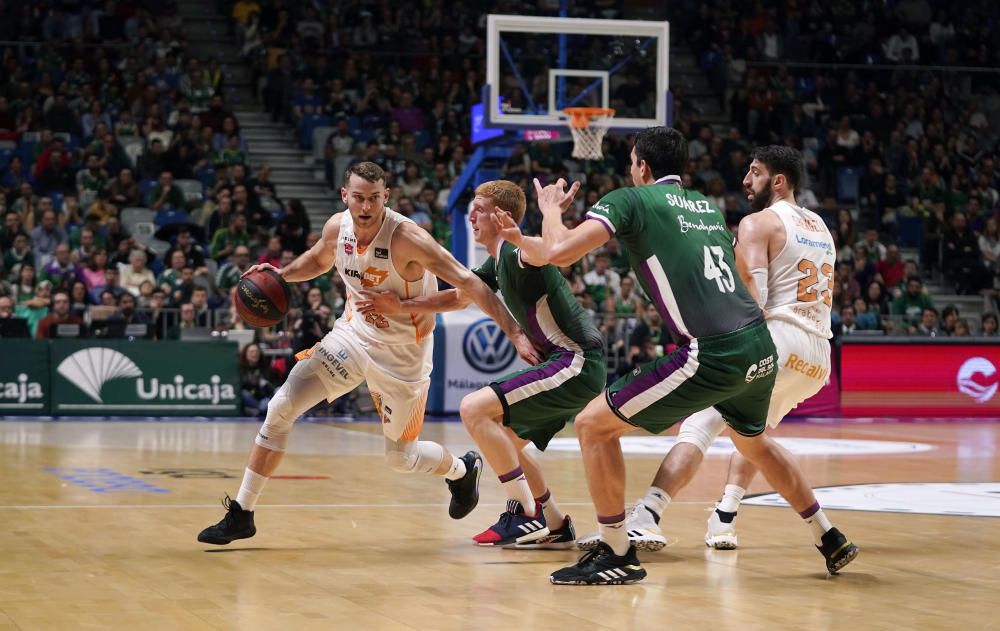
(554, 517)
(253, 484)
(457, 469)
(818, 523)
(731, 497)
(614, 533)
(515, 485)
(656, 500)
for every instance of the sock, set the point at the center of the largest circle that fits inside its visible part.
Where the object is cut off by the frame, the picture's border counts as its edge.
(457, 469)
(731, 498)
(253, 484)
(817, 520)
(516, 487)
(724, 517)
(553, 516)
(613, 533)
(656, 500)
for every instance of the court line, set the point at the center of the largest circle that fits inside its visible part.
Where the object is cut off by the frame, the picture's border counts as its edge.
(215, 506)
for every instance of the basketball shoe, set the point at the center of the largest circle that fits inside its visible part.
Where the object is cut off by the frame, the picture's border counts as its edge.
(643, 531)
(601, 566)
(721, 535)
(465, 490)
(837, 550)
(562, 538)
(237, 524)
(514, 526)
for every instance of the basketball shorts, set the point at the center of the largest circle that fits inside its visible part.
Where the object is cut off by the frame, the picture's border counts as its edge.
(803, 368)
(733, 372)
(398, 377)
(538, 401)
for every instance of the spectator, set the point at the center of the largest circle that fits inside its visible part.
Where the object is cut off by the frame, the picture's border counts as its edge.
(56, 177)
(891, 269)
(61, 271)
(877, 299)
(962, 260)
(194, 254)
(649, 329)
(186, 322)
(45, 237)
(79, 299)
(165, 194)
(928, 323)
(989, 245)
(989, 325)
(19, 254)
(949, 316)
(257, 381)
(912, 303)
(127, 312)
(272, 255)
(36, 307)
(229, 274)
(26, 285)
(226, 240)
(136, 272)
(124, 191)
(91, 181)
(154, 160)
(864, 319)
(93, 272)
(6, 307)
(199, 300)
(847, 325)
(602, 281)
(60, 314)
(961, 329)
(111, 285)
(876, 251)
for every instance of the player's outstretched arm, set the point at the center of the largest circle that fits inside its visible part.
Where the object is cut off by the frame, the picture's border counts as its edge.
(387, 303)
(316, 260)
(418, 246)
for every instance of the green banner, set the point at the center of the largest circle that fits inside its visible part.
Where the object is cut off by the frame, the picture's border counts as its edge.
(24, 377)
(139, 378)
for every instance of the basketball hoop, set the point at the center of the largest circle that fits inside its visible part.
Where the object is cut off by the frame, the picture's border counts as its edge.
(588, 126)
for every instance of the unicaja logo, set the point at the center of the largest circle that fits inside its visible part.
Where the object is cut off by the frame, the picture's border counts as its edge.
(89, 369)
(975, 379)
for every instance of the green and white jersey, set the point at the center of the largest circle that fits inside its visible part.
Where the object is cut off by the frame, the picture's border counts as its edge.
(540, 300)
(681, 250)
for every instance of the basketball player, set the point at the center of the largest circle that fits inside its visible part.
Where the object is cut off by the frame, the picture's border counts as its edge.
(531, 405)
(682, 252)
(789, 253)
(373, 247)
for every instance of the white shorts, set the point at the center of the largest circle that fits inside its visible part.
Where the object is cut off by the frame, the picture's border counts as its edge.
(398, 376)
(803, 368)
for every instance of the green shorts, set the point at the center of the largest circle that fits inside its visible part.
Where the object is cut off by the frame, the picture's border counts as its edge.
(733, 372)
(540, 400)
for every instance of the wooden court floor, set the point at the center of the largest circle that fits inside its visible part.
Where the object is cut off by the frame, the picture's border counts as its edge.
(98, 523)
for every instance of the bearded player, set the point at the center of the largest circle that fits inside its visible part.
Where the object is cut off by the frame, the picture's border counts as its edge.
(374, 247)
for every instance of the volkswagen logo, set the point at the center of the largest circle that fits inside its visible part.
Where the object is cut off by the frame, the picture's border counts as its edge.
(486, 348)
(975, 379)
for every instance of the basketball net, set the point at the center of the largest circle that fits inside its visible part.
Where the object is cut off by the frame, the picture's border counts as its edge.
(588, 126)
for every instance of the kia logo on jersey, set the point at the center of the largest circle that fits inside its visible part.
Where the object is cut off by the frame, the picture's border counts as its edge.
(977, 379)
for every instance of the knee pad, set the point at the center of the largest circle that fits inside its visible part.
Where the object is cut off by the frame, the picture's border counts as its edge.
(413, 456)
(281, 414)
(701, 428)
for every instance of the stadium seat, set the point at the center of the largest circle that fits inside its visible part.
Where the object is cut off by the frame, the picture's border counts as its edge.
(133, 147)
(911, 232)
(167, 216)
(319, 136)
(193, 190)
(57, 201)
(309, 123)
(847, 184)
(134, 216)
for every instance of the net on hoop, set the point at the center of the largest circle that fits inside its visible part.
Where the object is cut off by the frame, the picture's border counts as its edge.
(588, 126)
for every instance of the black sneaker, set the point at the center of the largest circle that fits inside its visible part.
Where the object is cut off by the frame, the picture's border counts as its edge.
(562, 538)
(601, 566)
(465, 490)
(837, 550)
(237, 524)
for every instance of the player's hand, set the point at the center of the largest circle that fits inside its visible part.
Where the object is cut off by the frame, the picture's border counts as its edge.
(525, 348)
(384, 302)
(555, 197)
(260, 267)
(507, 228)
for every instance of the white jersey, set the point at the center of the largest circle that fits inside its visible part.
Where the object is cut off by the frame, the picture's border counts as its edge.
(370, 267)
(800, 278)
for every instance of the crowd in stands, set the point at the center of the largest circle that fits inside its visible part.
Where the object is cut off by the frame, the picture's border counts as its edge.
(127, 195)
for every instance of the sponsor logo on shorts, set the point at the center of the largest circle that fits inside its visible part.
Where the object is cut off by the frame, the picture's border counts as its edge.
(809, 370)
(761, 369)
(977, 379)
(486, 348)
(381, 253)
(334, 362)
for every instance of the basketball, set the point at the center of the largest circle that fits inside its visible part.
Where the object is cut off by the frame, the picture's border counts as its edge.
(262, 298)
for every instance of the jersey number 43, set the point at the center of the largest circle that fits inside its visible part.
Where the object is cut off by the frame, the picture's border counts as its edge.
(718, 270)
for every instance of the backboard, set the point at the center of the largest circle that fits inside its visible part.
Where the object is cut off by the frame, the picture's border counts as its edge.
(538, 66)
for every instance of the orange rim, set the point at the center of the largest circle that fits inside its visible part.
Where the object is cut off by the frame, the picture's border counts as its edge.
(579, 117)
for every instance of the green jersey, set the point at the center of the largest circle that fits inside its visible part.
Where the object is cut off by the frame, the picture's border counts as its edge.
(681, 250)
(540, 300)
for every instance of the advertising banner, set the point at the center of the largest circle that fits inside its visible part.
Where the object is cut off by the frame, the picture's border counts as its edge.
(470, 350)
(95, 378)
(939, 379)
(24, 377)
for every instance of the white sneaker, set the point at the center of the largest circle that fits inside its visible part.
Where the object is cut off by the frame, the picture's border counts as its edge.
(643, 531)
(720, 535)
